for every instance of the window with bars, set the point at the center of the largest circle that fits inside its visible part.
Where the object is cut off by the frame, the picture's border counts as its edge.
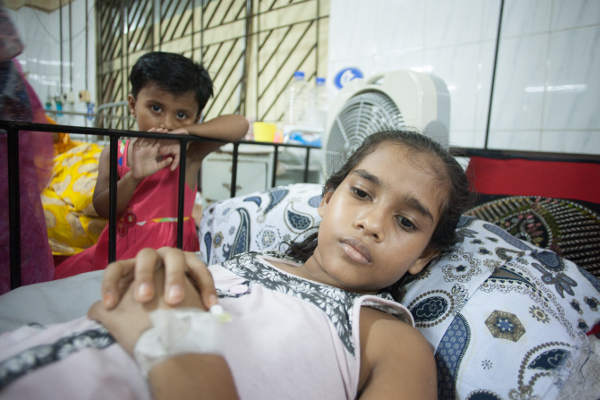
(251, 48)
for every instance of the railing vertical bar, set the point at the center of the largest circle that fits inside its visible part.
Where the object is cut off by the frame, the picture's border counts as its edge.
(112, 198)
(180, 199)
(306, 162)
(14, 206)
(234, 170)
(274, 172)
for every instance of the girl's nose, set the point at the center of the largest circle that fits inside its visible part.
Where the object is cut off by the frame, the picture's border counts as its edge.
(371, 223)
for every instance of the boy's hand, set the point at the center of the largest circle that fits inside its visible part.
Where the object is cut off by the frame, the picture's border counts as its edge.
(170, 147)
(180, 131)
(146, 158)
(140, 271)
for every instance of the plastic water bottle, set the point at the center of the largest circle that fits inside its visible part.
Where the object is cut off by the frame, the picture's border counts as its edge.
(318, 105)
(295, 101)
(313, 126)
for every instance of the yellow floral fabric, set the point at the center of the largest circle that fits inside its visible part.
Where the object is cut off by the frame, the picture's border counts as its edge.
(71, 219)
(62, 141)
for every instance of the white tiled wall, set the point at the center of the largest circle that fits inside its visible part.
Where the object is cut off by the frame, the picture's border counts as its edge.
(41, 59)
(547, 85)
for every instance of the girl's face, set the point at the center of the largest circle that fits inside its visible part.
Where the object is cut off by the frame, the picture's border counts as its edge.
(155, 108)
(377, 224)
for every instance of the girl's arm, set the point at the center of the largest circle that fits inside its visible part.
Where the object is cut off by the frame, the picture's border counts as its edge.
(396, 360)
(192, 376)
(187, 376)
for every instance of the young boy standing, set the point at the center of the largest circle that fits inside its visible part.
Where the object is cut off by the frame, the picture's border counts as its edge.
(168, 94)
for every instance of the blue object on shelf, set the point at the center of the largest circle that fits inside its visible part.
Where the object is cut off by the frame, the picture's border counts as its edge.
(309, 139)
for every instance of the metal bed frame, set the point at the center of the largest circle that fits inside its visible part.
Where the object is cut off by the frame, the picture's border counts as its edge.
(13, 129)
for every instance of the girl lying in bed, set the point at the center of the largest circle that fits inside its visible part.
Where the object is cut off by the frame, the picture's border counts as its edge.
(318, 322)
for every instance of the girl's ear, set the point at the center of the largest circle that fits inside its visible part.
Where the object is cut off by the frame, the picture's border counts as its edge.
(427, 255)
(131, 101)
(324, 202)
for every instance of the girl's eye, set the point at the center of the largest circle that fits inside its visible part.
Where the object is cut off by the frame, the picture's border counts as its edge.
(405, 223)
(181, 115)
(361, 194)
(155, 108)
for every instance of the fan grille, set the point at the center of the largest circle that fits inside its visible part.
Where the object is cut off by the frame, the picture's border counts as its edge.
(360, 117)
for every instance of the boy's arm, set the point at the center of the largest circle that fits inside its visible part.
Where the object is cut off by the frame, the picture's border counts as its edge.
(125, 187)
(230, 128)
(143, 163)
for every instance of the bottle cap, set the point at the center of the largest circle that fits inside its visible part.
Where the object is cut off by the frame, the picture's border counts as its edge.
(299, 75)
(320, 81)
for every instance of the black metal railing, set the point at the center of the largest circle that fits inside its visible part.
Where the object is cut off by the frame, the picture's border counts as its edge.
(526, 155)
(12, 131)
(13, 128)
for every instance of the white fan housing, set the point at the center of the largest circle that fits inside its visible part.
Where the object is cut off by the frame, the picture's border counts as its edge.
(391, 100)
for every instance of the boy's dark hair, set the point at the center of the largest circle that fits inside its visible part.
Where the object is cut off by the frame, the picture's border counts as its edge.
(448, 171)
(171, 73)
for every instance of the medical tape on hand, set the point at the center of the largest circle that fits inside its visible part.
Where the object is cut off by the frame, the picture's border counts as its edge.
(178, 331)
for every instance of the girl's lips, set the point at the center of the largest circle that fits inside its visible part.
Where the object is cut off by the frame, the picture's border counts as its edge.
(356, 250)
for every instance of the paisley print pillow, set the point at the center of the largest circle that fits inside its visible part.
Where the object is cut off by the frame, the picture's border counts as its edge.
(507, 319)
(259, 221)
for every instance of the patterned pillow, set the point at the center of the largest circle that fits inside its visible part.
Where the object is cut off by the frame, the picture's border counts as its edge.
(259, 221)
(502, 314)
(568, 228)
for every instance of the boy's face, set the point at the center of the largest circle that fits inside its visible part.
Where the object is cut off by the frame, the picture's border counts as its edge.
(155, 108)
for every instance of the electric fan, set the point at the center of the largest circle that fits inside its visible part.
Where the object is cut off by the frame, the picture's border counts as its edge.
(392, 100)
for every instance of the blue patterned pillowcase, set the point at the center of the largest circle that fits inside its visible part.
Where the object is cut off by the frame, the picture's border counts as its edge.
(502, 315)
(259, 221)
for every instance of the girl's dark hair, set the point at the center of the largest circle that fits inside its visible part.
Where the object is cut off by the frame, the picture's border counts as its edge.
(171, 73)
(449, 172)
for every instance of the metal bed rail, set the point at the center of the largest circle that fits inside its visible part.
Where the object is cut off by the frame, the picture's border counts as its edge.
(527, 155)
(12, 131)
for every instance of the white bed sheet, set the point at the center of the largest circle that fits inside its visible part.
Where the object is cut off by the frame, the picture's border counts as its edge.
(50, 302)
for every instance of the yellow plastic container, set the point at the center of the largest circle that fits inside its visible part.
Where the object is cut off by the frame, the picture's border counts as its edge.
(264, 132)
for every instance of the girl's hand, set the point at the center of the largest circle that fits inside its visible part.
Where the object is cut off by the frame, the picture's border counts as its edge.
(129, 319)
(146, 158)
(140, 270)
